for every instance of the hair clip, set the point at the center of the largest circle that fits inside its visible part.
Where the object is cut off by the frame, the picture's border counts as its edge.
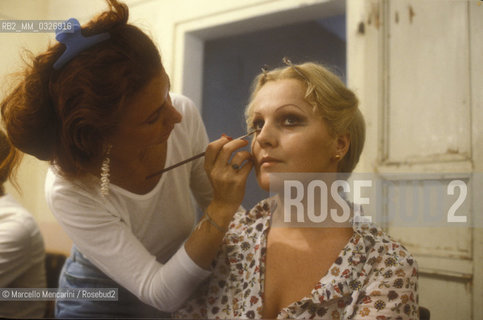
(264, 69)
(74, 41)
(291, 65)
(287, 61)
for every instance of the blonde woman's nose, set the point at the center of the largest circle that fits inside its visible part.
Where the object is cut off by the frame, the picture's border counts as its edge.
(266, 136)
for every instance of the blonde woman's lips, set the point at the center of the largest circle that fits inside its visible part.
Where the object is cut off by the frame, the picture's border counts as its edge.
(268, 162)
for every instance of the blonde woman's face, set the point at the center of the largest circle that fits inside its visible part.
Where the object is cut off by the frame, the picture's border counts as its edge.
(291, 137)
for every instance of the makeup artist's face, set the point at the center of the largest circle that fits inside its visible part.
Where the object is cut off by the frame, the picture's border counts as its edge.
(292, 138)
(149, 117)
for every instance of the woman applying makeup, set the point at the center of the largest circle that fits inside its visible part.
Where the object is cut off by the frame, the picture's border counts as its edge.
(306, 121)
(97, 106)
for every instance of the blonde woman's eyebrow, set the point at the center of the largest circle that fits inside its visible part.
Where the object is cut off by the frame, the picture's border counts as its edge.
(281, 107)
(290, 105)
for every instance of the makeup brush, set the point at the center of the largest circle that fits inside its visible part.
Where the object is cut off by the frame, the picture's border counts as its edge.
(190, 159)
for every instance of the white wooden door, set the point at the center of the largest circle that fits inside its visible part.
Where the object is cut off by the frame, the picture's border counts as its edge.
(417, 66)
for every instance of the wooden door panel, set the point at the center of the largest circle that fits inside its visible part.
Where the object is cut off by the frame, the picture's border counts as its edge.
(428, 116)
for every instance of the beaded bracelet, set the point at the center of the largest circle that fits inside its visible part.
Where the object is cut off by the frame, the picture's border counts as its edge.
(211, 221)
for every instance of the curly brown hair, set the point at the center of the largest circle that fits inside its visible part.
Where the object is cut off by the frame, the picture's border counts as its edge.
(64, 116)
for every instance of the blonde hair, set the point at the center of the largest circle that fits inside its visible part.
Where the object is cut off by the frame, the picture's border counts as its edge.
(330, 98)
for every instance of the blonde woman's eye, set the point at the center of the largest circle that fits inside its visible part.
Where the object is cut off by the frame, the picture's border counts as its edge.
(257, 124)
(291, 121)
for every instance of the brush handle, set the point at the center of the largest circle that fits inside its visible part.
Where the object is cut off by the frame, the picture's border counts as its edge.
(175, 165)
(189, 159)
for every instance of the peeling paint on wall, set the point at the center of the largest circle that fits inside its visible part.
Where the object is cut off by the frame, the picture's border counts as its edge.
(361, 28)
(375, 14)
(411, 14)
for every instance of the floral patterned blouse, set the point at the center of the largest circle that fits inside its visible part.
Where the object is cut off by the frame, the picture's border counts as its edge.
(374, 277)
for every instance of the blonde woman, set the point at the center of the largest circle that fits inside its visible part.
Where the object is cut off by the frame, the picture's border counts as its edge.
(306, 121)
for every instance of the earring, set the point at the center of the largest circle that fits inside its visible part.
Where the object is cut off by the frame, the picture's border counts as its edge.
(105, 168)
(337, 156)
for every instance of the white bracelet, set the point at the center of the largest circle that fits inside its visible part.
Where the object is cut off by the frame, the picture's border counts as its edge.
(211, 221)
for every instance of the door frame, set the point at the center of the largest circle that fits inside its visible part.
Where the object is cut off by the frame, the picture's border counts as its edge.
(190, 35)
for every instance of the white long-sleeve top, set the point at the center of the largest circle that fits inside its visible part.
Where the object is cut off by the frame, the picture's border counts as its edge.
(22, 258)
(137, 239)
